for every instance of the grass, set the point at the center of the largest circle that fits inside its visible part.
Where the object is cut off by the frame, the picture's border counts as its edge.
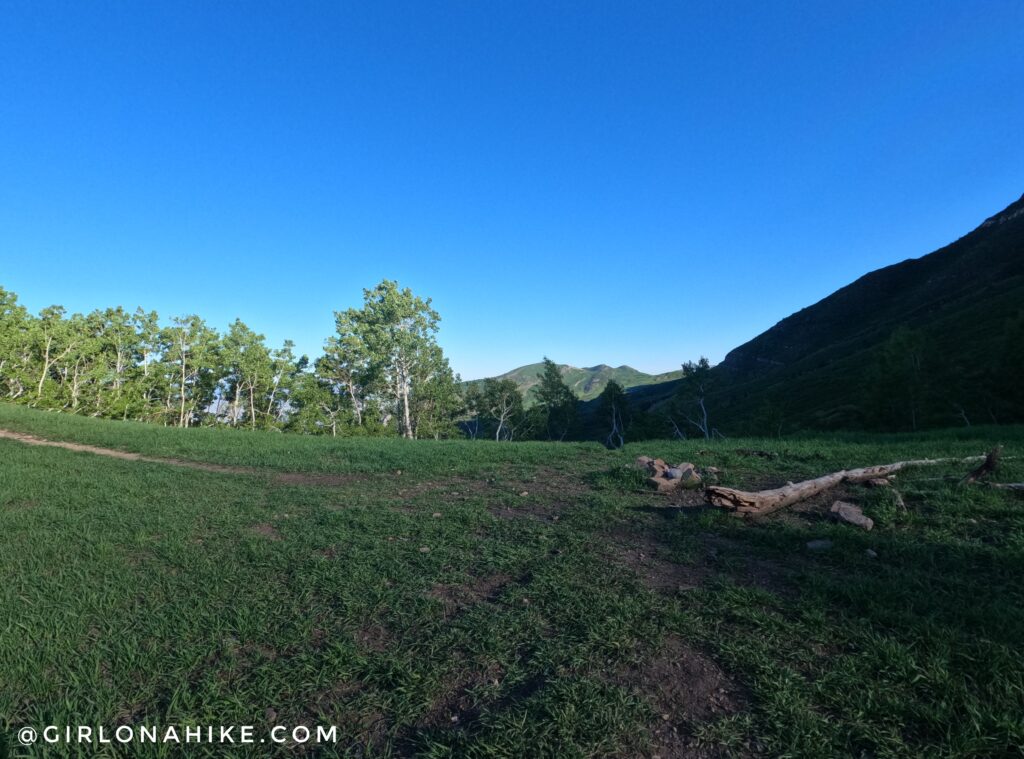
(579, 619)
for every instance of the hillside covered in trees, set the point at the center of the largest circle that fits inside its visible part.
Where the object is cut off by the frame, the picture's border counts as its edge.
(586, 382)
(936, 341)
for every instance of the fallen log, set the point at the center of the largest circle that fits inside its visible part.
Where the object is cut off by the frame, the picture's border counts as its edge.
(988, 466)
(1016, 486)
(745, 504)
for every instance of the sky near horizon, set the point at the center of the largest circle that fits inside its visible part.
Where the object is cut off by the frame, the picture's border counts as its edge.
(598, 182)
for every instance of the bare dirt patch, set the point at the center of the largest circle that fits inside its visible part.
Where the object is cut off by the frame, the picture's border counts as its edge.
(266, 530)
(462, 699)
(686, 689)
(645, 556)
(315, 479)
(456, 597)
(456, 702)
(644, 551)
(528, 509)
(20, 505)
(373, 637)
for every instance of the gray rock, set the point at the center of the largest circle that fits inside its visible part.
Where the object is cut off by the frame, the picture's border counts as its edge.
(819, 545)
(870, 553)
(851, 514)
(674, 473)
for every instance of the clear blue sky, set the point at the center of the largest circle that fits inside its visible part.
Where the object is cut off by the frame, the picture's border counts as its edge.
(628, 182)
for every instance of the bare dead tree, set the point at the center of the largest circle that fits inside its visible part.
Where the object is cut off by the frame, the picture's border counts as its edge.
(616, 438)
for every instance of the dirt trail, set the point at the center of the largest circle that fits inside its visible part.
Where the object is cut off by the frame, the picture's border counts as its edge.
(284, 478)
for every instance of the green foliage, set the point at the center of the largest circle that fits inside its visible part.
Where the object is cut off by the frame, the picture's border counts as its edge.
(689, 407)
(586, 383)
(388, 348)
(381, 373)
(557, 403)
(501, 408)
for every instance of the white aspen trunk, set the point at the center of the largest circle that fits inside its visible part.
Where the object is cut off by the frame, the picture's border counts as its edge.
(235, 403)
(273, 394)
(405, 413)
(356, 407)
(252, 405)
(181, 415)
(402, 382)
(118, 368)
(75, 385)
(46, 367)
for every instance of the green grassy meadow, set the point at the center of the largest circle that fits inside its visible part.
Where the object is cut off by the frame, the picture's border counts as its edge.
(506, 600)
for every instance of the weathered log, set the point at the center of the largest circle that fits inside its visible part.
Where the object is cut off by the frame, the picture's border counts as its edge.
(745, 504)
(988, 466)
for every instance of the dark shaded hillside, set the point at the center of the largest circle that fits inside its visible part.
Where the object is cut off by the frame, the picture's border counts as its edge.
(981, 265)
(821, 366)
(932, 341)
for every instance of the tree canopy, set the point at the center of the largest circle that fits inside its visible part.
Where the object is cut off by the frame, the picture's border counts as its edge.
(382, 372)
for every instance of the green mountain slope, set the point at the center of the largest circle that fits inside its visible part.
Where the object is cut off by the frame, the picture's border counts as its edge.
(821, 367)
(586, 382)
(932, 341)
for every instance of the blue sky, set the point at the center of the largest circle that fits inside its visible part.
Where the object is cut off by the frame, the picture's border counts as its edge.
(636, 183)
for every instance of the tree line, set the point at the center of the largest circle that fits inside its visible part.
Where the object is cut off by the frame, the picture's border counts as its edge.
(382, 373)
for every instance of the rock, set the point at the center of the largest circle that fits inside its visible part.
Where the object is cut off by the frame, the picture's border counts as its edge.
(436, 515)
(870, 553)
(819, 545)
(665, 479)
(851, 514)
(424, 549)
(691, 479)
(524, 493)
(642, 462)
(662, 484)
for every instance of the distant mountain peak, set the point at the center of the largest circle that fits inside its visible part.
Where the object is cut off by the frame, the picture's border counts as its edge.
(586, 382)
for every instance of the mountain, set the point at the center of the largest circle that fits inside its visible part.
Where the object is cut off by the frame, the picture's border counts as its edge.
(586, 382)
(938, 334)
(931, 341)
